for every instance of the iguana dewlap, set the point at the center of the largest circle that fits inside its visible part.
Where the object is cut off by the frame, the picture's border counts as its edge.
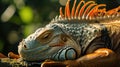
(85, 36)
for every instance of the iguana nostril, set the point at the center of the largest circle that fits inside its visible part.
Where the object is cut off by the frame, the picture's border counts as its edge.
(23, 43)
(24, 46)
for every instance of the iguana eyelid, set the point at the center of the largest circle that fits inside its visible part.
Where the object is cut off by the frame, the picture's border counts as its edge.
(45, 36)
(46, 33)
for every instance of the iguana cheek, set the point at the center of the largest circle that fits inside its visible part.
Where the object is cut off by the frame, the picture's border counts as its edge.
(59, 43)
(56, 45)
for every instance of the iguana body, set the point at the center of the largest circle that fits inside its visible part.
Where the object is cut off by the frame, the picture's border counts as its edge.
(86, 36)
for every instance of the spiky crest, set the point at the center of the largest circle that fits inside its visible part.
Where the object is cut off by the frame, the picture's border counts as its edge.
(86, 11)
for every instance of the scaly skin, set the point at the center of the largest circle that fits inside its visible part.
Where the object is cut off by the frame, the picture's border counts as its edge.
(101, 57)
(83, 37)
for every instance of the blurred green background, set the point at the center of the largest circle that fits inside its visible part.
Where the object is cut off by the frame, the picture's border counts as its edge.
(19, 18)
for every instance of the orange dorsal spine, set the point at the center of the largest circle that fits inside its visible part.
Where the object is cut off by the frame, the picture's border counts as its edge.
(68, 9)
(83, 7)
(73, 9)
(78, 8)
(95, 10)
(86, 11)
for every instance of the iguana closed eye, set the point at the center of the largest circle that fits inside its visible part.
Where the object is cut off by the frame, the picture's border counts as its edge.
(85, 36)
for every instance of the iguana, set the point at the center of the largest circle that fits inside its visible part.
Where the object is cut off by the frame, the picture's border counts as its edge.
(84, 36)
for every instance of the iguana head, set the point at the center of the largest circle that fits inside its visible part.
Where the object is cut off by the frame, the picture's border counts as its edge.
(47, 42)
(53, 42)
